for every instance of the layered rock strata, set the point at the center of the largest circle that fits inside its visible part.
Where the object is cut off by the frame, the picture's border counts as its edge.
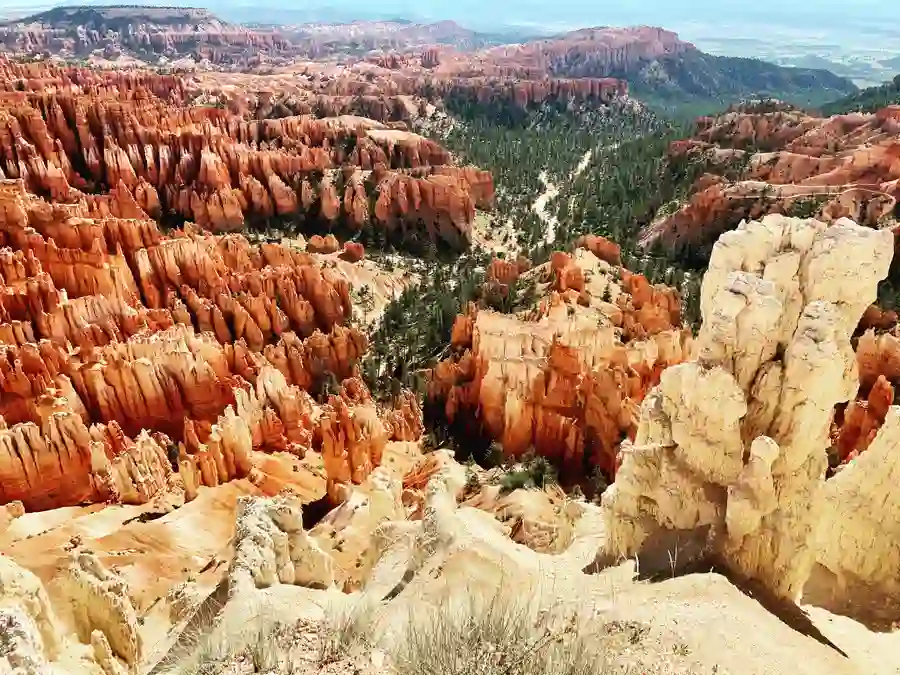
(381, 81)
(134, 136)
(734, 443)
(788, 162)
(566, 378)
(164, 32)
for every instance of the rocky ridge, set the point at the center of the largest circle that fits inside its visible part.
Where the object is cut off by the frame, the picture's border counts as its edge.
(787, 162)
(387, 59)
(566, 377)
(131, 356)
(146, 32)
(758, 404)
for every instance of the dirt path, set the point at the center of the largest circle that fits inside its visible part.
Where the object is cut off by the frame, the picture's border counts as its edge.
(551, 191)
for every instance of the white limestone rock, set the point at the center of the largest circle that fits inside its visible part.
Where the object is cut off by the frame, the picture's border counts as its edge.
(98, 601)
(737, 439)
(271, 547)
(859, 532)
(34, 640)
(29, 635)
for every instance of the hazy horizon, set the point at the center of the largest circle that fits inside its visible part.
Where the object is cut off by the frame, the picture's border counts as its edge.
(566, 14)
(851, 39)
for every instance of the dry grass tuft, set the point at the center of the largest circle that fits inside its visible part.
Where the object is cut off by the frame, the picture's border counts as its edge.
(499, 636)
(347, 630)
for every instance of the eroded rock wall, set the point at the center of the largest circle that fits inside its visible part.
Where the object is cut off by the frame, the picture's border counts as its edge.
(858, 543)
(772, 158)
(567, 377)
(96, 634)
(74, 131)
(735, 441)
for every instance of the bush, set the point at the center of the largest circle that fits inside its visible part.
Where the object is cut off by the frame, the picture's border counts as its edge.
(535, 472)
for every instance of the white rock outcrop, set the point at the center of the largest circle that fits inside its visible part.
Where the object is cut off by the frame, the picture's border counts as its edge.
(100, 611)
(271, 546)
(28, 627)
(859, 533)
(736, 440)
(35, 640)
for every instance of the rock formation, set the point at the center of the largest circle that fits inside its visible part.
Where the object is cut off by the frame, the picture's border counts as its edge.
(127, 357)
(858, 543)
(162, 31)
(272, 547)
(857, 425)
(417, 566)
(788, 162)
(878, 355)
(96, 634)
(137, 138)
(733, 443)
(567, 377)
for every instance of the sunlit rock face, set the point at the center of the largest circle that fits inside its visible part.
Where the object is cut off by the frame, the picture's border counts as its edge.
(138, 136)
(564, 379)
(130, 359)
(735, 441)
(773, 158)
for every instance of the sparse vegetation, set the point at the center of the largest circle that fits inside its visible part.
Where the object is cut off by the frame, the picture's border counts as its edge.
(469, 634)
(497, 636)
(531, 471)
(414, 332)
(273, 644)
(693, 82)
(626, 180)
(807, 207)
(345, 630)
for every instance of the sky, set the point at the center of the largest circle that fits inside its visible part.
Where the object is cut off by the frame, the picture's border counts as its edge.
(550, 16)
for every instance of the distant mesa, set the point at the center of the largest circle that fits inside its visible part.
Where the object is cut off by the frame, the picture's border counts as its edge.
(655, 62)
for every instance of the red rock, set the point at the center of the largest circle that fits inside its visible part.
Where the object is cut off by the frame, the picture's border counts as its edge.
(353, 252)
(875, 317)
(217, 168)
(104, 422)
(856, 428)
(842, 166)
(546, 382)
(601, 247)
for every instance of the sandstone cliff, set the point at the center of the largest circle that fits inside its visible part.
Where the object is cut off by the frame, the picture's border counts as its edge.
(730, 447)
(566, 378)
(133, 135)
(416, 566)
(160, 31)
